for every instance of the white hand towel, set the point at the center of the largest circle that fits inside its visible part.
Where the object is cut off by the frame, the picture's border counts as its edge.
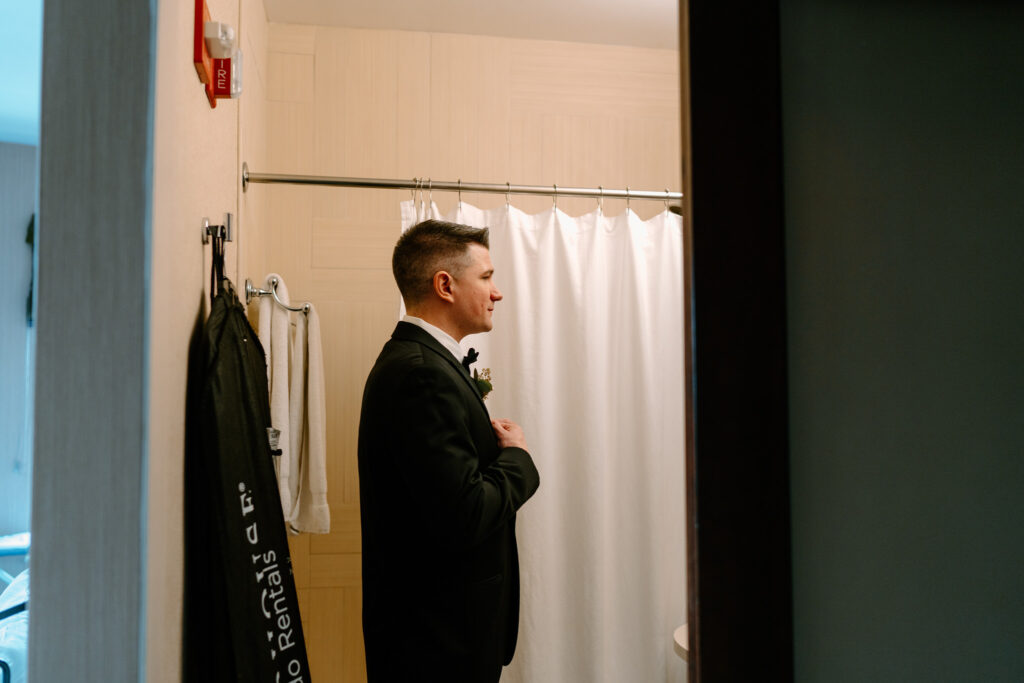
(275, 334)
(309, 429)
(297, 414)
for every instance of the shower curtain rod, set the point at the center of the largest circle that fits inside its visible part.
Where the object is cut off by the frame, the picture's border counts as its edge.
(449, 186)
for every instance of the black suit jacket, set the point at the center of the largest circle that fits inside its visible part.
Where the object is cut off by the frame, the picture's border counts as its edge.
(438, 499)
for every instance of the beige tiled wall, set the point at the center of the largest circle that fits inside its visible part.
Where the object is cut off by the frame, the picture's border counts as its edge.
(392, 104)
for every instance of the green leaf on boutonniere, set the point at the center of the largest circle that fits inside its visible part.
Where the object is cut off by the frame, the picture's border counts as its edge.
(483, 382)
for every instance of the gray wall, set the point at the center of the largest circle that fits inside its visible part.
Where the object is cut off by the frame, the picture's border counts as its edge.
(904, 177)
(95, 165)
(17, 204)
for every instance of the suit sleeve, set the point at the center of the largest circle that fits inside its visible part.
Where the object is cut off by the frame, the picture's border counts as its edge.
(438, 461)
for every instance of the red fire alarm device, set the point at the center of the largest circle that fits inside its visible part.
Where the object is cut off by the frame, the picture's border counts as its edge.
(222, 77)
(200, 56)
(217, 59)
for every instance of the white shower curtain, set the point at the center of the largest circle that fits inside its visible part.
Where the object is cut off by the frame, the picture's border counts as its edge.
(586, 354)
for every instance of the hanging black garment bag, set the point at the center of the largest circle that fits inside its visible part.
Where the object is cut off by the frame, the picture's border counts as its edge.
(241, 617)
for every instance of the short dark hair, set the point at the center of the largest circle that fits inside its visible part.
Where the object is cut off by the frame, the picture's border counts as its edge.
(429, 247)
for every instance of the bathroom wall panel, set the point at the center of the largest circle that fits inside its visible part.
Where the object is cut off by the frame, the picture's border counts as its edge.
(287, 243)
(353, 206)
(356, 106)
(290, 77)
(335, 569)
(401, 105)
(352, 243)
(290, 145)
(413, 129)
(334, 635)
(583, 79)
(353, 333)
(345, 536)
(469, 109)
(291, 38)
(298, 548)
(371, 286)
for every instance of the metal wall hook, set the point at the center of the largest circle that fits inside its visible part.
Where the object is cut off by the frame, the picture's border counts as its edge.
(218, 230)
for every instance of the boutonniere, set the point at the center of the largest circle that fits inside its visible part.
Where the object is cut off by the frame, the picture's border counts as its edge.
(483, 382)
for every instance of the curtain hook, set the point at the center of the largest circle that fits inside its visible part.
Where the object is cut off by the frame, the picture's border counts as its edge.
(627, 197)
(554, 197)
(666, 199)
(460, 193)
(430, 195)
(412, 190)
(508, 191)
(600, 199)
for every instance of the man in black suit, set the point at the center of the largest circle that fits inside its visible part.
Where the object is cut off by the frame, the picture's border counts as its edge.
(439, 480)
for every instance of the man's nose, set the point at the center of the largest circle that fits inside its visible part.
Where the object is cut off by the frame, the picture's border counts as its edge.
(495, 294)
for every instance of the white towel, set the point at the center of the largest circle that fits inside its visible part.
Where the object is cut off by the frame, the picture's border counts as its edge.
(275, 334)
(308, 429)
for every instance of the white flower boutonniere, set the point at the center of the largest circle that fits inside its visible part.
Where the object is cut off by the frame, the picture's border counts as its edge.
(483, 382)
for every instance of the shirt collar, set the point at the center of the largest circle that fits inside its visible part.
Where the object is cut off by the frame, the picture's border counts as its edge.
(447, 341)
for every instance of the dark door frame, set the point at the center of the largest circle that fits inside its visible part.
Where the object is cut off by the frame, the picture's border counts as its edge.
(738, 531)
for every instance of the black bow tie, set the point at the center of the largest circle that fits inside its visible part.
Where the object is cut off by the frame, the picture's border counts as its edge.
(470, 358)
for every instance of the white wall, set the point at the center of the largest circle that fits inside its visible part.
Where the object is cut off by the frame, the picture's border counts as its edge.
(197, 155)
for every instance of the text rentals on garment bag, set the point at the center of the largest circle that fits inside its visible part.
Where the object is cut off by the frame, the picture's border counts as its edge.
(241, 608)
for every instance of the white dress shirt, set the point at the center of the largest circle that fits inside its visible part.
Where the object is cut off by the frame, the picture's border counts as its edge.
(447, 341)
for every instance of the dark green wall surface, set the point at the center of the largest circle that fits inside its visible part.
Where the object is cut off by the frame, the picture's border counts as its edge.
(904, 189)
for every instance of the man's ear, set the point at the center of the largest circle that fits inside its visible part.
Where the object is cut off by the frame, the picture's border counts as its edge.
(443, 283)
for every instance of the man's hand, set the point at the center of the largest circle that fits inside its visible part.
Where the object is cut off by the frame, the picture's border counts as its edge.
(509, 434)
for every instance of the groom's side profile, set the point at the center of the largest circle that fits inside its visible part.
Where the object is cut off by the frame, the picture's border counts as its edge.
(439, 481)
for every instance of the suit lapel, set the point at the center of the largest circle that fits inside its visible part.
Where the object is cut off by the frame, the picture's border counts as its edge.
(409, 332)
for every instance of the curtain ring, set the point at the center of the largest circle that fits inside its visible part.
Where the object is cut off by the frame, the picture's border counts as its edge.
(508, 191)
(666, 199)
(600, 199)
(554, 197)
(430, 194)
(627, 197)
(412, 190)
(460, 194)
